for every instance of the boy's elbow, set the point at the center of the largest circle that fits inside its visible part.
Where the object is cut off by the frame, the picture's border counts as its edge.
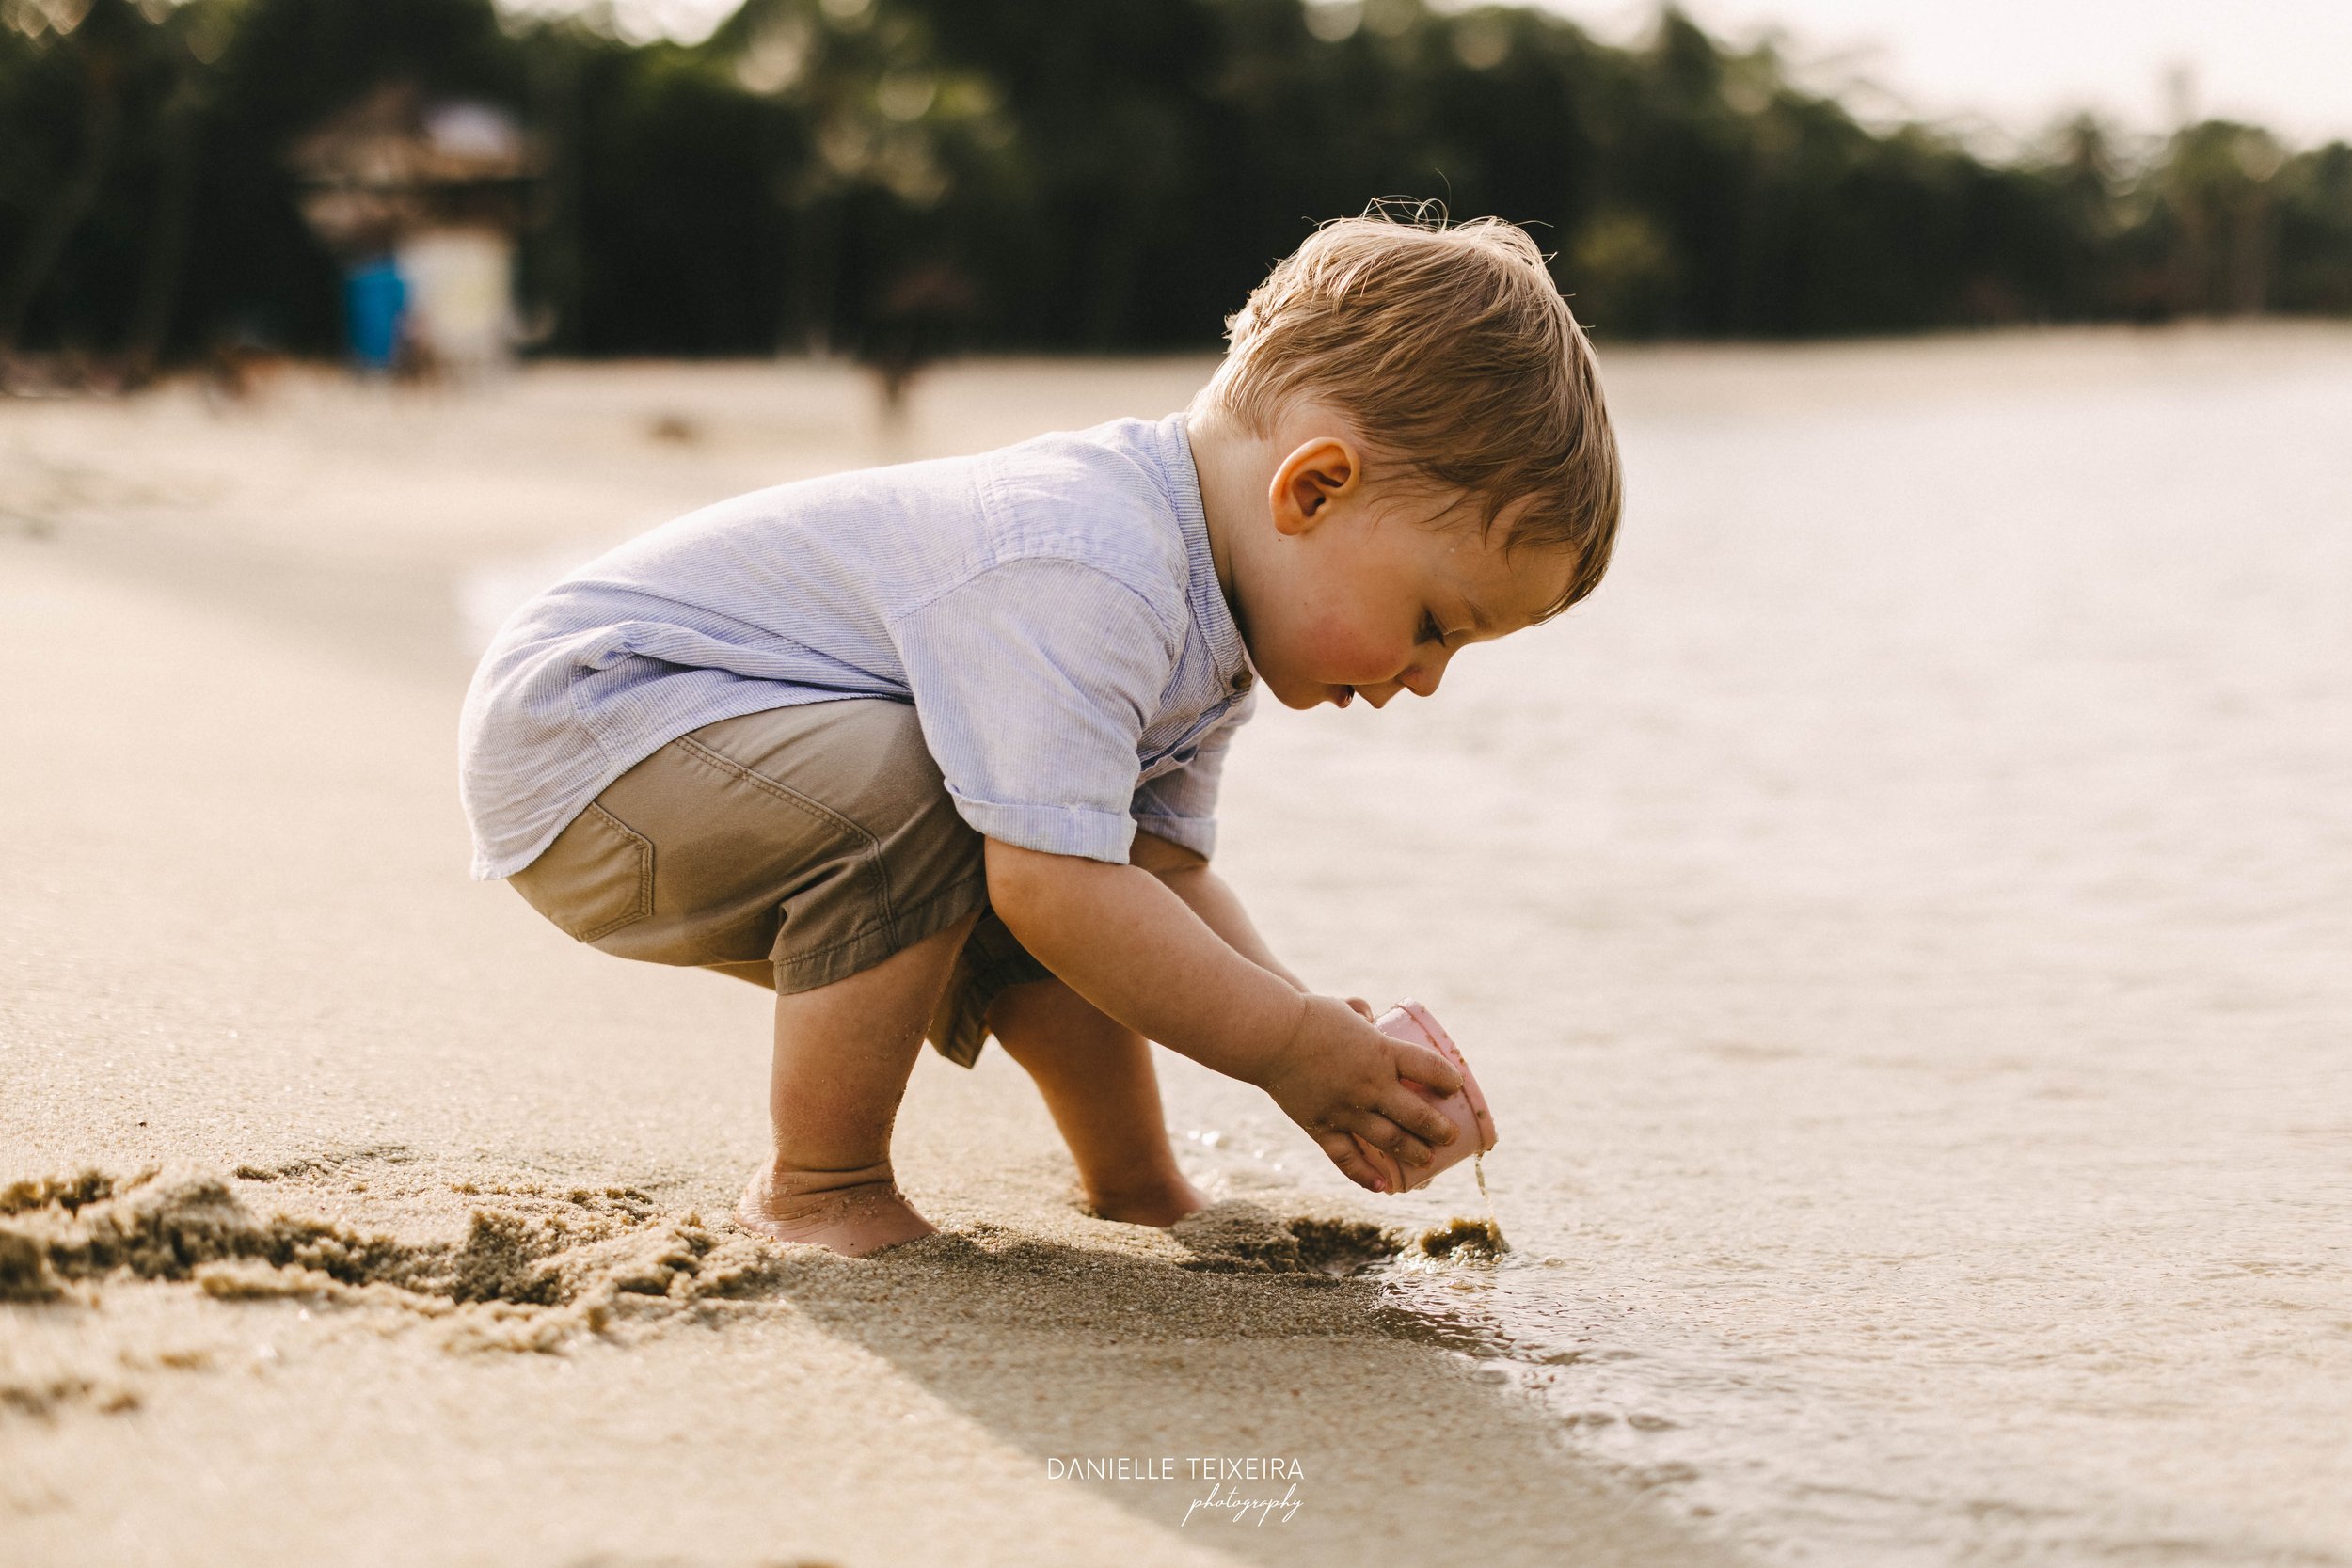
(1030, 889)
(1019, 880)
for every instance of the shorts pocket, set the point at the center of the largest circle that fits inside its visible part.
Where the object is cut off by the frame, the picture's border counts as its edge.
(594, 879)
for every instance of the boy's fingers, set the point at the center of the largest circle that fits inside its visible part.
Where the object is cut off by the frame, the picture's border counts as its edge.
(1409, 1110)
(1362, 1007)
(1351, 1161)
(1381, 1132)
(1424, 1066)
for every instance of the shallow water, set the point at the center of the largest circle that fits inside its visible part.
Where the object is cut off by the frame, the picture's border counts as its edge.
(1901, 925)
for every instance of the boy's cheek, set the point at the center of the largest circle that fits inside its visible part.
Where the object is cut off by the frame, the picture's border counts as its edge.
(1335, 649)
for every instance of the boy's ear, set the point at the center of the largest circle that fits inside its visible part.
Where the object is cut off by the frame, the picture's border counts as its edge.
(1324, 470)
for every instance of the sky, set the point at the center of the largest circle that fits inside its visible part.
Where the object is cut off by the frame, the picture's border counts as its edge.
(2006, 67)
(2017, 65)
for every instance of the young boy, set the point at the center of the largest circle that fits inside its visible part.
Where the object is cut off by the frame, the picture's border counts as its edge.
(933, 750)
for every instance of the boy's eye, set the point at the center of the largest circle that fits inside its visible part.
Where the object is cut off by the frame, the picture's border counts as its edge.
(1429, 631)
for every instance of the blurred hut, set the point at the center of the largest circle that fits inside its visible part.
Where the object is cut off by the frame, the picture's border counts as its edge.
(423, 201)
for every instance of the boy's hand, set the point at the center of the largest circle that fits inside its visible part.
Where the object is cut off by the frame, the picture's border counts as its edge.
(1129, 941)
(1338, 1075)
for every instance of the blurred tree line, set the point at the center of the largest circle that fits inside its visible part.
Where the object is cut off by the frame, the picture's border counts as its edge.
(885, 176)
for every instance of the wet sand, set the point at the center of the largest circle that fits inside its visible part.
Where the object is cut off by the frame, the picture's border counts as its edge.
(1898, 924)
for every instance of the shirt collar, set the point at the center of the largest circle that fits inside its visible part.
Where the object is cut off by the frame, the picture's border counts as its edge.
(1210, 611)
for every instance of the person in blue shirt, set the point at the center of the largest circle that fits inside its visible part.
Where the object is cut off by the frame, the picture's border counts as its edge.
(375, 307)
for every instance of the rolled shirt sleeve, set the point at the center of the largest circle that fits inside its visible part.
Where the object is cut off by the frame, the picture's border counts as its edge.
(1033, 682)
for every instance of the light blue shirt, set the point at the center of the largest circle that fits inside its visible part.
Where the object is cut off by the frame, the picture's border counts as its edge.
(1050, 609)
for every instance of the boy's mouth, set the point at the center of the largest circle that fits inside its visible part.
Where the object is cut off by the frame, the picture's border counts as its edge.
(1348, 695)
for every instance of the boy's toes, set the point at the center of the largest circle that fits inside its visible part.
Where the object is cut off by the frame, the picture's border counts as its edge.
(856, 1222)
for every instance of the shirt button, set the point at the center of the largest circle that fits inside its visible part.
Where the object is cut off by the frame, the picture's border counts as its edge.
(1243, 681)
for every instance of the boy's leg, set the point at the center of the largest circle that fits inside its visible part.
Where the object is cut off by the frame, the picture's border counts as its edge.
(1096, 1076)
(843, 1054)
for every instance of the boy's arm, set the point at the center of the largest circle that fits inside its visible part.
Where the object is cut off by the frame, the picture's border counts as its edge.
(1209, 895)
(1187, 875)
(1132, 946)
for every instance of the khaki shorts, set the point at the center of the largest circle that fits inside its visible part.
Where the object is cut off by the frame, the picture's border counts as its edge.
(792, 849)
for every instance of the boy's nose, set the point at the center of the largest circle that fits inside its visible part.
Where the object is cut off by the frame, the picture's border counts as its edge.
(1421, 679)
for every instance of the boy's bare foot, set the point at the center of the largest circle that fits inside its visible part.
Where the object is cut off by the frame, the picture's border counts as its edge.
(857, 1219)
(1161, 1203)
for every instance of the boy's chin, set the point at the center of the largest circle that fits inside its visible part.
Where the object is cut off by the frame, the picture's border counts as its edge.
(1303, 696)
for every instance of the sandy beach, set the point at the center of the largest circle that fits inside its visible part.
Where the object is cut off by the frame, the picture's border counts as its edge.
(241, 949)
(1898, 924)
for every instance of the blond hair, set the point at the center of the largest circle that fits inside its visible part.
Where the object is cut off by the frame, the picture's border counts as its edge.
(1451, 350)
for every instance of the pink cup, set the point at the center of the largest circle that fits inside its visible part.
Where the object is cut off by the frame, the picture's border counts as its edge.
(1474, 1129)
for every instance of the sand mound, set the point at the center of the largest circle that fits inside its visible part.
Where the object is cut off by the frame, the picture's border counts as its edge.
(1470, 1240)
(534, 1266)
(1240, 1237)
